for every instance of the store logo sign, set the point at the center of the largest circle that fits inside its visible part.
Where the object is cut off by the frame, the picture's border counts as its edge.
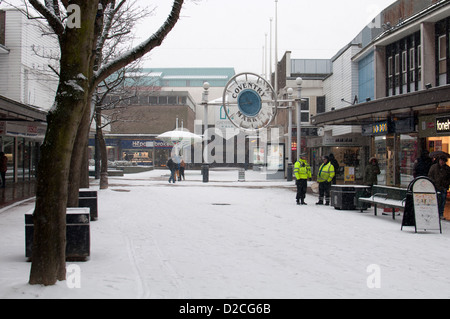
(380, 128)
(443, 124)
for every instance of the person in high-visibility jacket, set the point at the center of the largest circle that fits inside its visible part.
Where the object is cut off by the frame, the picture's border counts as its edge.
(324, 178)
(302, 172)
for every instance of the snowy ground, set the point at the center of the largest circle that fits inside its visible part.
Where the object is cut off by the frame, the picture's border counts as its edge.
(230, 239)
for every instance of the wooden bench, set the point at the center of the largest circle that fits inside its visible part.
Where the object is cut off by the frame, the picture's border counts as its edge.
(386, 196)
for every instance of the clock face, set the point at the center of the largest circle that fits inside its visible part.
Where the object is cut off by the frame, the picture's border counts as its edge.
(249, 102)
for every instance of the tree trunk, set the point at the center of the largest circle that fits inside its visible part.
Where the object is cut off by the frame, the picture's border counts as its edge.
(103, 151)
(76, 64)
(79, 157)
(77, 46)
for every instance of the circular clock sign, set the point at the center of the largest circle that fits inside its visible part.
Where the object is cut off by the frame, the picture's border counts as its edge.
(249, 101)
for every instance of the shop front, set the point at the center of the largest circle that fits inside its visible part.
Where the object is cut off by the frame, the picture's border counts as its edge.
(350, 152)
(395, 145)
(140, 151)
(434, 133)
(20, 141)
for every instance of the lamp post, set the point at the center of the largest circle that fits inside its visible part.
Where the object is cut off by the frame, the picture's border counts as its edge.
(289, 148)
(276, 48)
(205, 165)
(299, 82)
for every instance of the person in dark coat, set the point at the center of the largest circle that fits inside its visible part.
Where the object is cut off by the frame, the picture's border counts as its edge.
(335, 163)
(440, 175)
(422, 165)
(182, 168)
(371, 173)
(3, 168)
(172, 166)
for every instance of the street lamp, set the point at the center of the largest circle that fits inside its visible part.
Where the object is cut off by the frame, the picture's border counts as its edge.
(205, 165)
(289, 165)
(299, 82)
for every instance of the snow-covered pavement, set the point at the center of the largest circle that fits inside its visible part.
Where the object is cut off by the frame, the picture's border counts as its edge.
(230, 239)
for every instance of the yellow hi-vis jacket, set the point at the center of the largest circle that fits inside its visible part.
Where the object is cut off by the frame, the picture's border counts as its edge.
(302, 170)
(326, 173)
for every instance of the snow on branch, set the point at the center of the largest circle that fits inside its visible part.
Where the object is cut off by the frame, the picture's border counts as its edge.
(139, 51)
(49, 14)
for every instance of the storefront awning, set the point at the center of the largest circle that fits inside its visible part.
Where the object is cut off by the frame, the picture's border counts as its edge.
(12, 110)
(431, 101)
(31, 130)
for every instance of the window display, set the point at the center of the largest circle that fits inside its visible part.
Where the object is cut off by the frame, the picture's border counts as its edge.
(408, 154)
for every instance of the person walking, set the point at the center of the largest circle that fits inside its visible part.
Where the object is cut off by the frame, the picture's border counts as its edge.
(371, 173)
(422, 164)
(324, 178)
(3, 168)
(172, 166)
(440, 175)
(302, 172)
(182, 168)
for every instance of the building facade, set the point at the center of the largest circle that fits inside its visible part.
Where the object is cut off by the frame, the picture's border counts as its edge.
(26, 60)
(166, 99)
(27, 91)
(402, 93)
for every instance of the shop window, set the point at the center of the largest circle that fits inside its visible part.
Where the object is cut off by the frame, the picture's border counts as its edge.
(153, 100)
(397, 64)
(404, 68)
(320, 104)
(442, 43)
(20, 159)
(412, 64)
(8, 149)
(419, 61)
(134, 100)
(304, 113)
(408, 154)
(143, 100)
(162, 100)
(390, 72)
(172, 100)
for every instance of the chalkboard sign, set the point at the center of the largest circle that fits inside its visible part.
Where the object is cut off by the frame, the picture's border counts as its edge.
(421, 208)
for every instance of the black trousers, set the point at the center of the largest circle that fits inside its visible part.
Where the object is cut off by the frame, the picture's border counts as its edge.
(3, 176)
(324, 191)
(302, 185)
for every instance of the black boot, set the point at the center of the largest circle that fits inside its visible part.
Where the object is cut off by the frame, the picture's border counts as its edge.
(327, 202)
(320, 202)
(303, 202)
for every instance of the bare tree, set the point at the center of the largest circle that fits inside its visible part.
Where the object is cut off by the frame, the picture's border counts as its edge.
(78, 79)
(120, 20)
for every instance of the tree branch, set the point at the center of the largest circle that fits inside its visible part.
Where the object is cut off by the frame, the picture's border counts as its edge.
(138, 52)
(51, 18)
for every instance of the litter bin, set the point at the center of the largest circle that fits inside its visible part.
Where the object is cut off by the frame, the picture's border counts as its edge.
(289, 172)
(205, 173)
(241, 175)
(347, 196)
(78, 243)
(88, 198)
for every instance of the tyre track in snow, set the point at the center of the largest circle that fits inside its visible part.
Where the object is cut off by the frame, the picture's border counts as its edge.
(169, 274)
(143, 289)
(174, 277)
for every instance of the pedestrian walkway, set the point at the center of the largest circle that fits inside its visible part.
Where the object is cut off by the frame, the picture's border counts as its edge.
(15, 192)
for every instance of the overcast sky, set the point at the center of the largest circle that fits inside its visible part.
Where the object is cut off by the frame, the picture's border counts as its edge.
(232, 33)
